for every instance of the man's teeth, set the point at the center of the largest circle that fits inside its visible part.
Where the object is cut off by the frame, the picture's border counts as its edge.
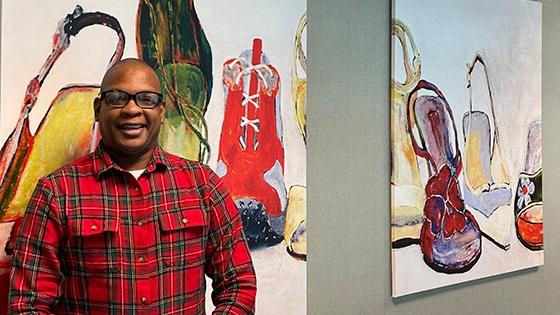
(132, 126)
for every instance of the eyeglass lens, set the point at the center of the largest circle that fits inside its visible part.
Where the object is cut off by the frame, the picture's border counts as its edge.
(117, 98)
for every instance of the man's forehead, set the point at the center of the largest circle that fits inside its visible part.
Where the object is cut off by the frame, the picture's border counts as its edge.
(132, 65)
(123, 69)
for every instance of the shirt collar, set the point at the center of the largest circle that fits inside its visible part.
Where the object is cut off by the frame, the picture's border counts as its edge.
(102, 162)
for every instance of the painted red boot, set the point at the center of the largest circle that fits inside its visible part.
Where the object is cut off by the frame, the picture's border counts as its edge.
(251, 154)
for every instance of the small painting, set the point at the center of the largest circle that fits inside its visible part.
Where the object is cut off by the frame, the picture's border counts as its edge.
(466, 148)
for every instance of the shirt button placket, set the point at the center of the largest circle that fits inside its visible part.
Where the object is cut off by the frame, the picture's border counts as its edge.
(143, 285)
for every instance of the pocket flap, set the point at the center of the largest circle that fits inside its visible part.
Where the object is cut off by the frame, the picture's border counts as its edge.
(93, 226)
(177, 220)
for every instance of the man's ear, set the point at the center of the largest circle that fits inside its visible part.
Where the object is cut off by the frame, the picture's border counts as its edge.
(96, 108)
(162, 113)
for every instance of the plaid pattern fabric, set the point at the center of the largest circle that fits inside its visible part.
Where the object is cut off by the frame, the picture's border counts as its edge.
(95, 240)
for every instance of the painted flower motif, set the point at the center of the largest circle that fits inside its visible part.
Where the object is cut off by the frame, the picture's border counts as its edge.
(524, 191)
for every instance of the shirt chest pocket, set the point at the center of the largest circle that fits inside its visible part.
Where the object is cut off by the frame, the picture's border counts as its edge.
(182, 237)
(91, 245)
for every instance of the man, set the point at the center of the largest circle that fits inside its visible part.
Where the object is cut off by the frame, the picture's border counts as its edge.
(130, 228)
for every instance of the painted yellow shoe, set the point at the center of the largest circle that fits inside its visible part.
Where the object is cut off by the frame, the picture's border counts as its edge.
(295, 231)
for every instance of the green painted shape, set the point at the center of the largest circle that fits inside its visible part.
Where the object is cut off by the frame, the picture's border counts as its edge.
(184, 129)
(174, 26)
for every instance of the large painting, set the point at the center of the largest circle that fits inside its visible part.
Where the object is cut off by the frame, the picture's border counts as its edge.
(234, 80)
(466, 188)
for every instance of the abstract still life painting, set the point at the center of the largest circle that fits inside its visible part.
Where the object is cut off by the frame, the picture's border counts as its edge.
(234, 81)
(466, 148)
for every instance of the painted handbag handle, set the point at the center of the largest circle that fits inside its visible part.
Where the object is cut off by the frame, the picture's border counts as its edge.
(470, 68)
(411, 66)
(299, 54)
(69, 26)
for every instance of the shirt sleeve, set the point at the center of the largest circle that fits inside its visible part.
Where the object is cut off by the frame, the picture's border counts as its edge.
(36, 276)
(228, 261)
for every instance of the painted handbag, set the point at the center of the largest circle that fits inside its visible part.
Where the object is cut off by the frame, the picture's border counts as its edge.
(486, 185)
(407, 192)
(25, 157)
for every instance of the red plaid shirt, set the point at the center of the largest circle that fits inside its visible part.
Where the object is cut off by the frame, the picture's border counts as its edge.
(94, 240)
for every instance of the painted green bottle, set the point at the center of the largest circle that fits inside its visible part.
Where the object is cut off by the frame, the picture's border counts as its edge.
(171, 40)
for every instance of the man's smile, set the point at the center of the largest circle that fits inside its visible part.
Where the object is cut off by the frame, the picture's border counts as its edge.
(131, 129)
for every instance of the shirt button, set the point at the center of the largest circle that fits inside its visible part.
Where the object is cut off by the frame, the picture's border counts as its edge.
(144, 300)
(141, 259)
(94, 227)
(140, 223)
(185, 220)
(135, 188)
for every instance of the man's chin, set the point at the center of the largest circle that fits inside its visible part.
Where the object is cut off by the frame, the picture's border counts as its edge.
(132, 150)
(137, 150)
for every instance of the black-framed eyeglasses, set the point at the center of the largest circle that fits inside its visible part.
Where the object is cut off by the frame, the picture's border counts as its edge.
(118, 98)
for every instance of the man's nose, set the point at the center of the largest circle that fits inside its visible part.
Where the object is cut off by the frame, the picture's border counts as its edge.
(131, 108)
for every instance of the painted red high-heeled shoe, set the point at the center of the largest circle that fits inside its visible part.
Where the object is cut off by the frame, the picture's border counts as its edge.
(251, 154)
(450, 238)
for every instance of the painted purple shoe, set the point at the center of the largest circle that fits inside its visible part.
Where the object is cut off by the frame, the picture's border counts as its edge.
(450, 238)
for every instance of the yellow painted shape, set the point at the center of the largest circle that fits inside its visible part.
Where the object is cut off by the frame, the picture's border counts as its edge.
(407, 211)
(300, 99)
(405, 166)
(62, 137)
(299, 84)
(476, 179)
(174, 138)
(406, 231)
(296, 213)
(500, 173)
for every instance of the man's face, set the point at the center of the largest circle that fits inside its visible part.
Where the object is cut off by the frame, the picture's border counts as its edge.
(129, 132)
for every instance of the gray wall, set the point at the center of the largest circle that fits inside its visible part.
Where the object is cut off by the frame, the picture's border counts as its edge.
(348, 175)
